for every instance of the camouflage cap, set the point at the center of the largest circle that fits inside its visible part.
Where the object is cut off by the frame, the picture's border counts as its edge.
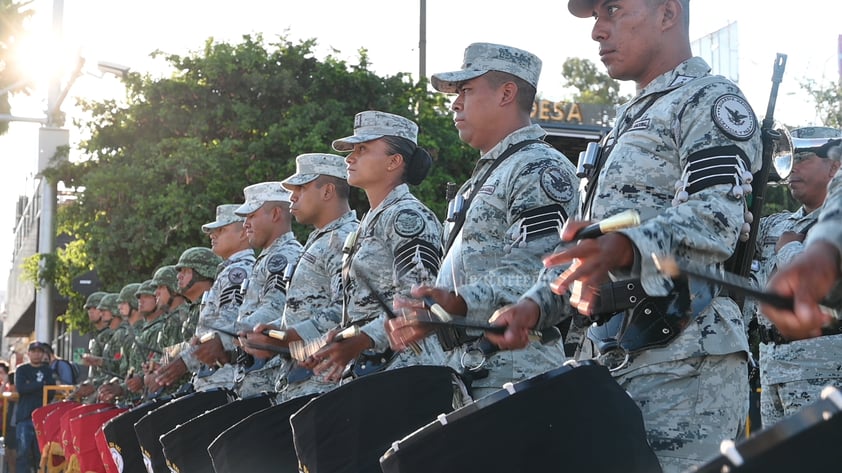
(127, 294)
(109, 302)
(201, 260)
(309, 166)
(93, 300)
(484, 57)
(166, 276)
(259, 194)
(585, 8)
(371, 125)
(224, 216)
(146, 288)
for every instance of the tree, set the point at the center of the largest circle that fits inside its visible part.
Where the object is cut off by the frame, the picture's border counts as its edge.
(234, 115)
(12, 19)
(593, 86)
(828, 98)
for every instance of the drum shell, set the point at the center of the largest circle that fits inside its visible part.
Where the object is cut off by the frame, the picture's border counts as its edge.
(260, 443)
(348, 428)
(569, 419)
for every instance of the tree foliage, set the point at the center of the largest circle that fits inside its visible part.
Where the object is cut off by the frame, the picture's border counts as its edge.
(592, 85)
(13, 17)
(230, 116)
(828, 98)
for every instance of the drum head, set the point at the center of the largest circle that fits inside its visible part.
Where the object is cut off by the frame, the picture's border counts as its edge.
(122, 439)
(165, 418)
(569, 419)
(186, 446)
(806, 441)
(348, 428)
(260, 443)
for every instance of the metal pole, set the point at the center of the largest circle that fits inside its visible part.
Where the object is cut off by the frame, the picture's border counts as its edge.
(47, 189)
(422, 43)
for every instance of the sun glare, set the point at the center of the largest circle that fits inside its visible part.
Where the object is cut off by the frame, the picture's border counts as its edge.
(41, 58)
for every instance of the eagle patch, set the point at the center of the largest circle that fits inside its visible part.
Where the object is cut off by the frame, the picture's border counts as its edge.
(409, 223)
(236, 276)
(276, 264)
(734, 116)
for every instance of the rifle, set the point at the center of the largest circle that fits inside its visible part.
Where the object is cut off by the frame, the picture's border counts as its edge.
(740, 262)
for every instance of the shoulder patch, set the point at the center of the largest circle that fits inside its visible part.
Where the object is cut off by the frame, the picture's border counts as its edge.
(409, 223)
(237, 275)
(276, 264)
(555, 185)
(733, 115)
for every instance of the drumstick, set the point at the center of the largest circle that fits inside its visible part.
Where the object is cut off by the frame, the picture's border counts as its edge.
(625, 219)
(271, 333)
(543, 336)
(670, 267)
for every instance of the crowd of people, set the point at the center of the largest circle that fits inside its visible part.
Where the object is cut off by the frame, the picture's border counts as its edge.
(257, 312)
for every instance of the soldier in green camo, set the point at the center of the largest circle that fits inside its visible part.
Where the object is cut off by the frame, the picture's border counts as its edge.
(793, 373)
(120, 335)
(168, 326)
(127, 304)
(197, 269)
(142, 349)
(95, 318)
(107, 307)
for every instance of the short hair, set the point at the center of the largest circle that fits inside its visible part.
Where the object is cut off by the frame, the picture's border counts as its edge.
(343, 190)
(525, 91)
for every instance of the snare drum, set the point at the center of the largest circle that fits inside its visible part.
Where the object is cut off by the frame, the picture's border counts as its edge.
(186, 446)
(347, 429)
(573, 418)
(805, 441)
(163, 419)
(260, 443)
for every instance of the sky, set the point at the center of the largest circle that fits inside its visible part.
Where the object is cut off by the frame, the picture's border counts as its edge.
(124, 32)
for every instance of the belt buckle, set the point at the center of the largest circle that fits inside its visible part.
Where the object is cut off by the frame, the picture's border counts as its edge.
(473, 359)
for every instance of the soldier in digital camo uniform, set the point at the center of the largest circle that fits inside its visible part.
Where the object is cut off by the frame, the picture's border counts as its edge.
(684, 148)
(792, 374)
(144, 346)
(167, 327)
(314, 294)
(814, 274)
(197, 269)
(268, 225)
(523, 191)
(396, 246)
(127, 304)
(209, 359)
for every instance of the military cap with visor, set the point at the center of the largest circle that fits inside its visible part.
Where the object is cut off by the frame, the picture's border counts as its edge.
(310, 166)
(225, 215)
(258, 194)
(481, 58)
(372, 125)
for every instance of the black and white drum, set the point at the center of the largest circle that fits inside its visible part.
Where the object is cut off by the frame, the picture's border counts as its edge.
(806, 441)
(573, 418)
(186, 446)
(260, 443)
(161, 420)
(348, 428)
(122, 440)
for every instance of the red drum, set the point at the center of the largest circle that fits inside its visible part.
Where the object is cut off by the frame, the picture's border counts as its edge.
(47, 424)
(83, 428)
(348, 428)
(573, 418)
(157, 422)
(806, 441)
(260, 443)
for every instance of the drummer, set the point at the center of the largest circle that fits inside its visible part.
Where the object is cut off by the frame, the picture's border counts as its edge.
(314, 287)
(519, 195)
(397, 244)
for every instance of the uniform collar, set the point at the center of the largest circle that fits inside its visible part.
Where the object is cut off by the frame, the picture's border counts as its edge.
(688, 70)
(531, 132)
